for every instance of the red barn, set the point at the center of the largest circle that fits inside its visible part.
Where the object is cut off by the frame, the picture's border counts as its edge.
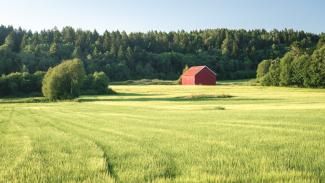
(199, 75)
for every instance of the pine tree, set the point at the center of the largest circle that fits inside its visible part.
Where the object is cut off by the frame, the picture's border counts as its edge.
(113, 50)
(9, 42)
(121, 53)
(24, 42)
(76, 52)
(54, 49)
(226, 46)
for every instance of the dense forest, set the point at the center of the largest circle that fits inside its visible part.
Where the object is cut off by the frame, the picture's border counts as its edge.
(302, 67)
(233, 54)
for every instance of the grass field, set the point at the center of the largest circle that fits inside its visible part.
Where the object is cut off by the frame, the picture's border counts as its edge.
(224, 133)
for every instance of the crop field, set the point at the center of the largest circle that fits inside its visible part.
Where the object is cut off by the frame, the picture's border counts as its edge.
(167, 133)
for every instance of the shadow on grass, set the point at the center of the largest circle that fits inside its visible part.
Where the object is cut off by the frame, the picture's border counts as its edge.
(164, 99)
(134, 94)
(145, 82)
(139, 97)
(17, 100)
(190, 98)
(23, 100)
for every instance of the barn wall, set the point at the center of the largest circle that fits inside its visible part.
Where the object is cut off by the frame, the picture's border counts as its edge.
(205, 77)
(188, 80)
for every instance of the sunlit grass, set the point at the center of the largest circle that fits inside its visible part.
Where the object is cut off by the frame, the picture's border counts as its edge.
(163, 134)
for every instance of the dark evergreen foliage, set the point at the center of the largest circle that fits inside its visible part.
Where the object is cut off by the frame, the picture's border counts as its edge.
(233, 54)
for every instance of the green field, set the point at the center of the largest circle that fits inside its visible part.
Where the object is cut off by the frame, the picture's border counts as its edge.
(224, 133)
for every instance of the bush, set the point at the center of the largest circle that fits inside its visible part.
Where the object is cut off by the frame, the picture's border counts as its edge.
(96, 84)
(272, 78)
(274, 73)
(299, 70)
(286, 70)
(64, 81)
(316, 69)
(262, 69)
(100, 82)
(266, 80)
(21, 84)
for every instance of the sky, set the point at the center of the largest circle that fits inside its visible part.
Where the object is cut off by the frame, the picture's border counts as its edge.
(164, 15)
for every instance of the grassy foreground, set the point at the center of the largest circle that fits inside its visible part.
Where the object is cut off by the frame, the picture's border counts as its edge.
(168, 134)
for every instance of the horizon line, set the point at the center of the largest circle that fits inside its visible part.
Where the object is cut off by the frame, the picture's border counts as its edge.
(60, 28)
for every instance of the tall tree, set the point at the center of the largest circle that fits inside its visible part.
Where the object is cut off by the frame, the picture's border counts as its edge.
(9, 42)
(316, 70)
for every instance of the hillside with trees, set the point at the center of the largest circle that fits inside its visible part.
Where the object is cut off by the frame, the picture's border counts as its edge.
(233, 54)
(301, 66)
(282, 58)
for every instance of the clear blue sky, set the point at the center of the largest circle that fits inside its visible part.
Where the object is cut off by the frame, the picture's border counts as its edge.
(165, 15)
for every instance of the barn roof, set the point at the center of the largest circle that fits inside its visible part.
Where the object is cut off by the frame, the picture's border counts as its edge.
(195, 70)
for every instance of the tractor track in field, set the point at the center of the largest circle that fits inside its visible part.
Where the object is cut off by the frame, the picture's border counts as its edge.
(2, 121)
(28, 148)
(109, 167)
(269, 128)
(19, 160)
(170, 171)
(155, 129)
(11, 114)
(181, 134)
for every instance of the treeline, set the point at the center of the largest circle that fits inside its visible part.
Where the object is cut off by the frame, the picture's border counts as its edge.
(24, 84)
(302, 67)
(21, 84)
(233, 54)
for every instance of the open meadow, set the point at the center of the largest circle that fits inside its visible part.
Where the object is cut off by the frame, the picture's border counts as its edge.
(167, 133)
